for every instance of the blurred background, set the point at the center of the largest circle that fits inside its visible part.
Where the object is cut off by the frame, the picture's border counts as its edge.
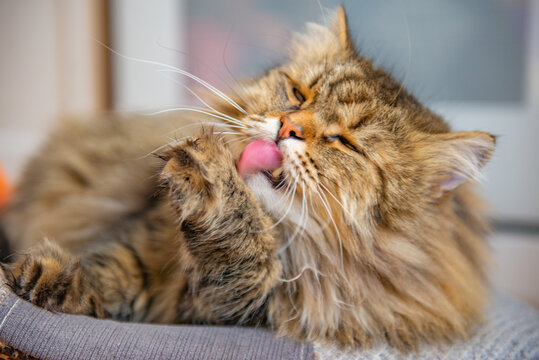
(474, 62)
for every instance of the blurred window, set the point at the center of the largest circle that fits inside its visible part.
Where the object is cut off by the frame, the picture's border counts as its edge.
(450, 50)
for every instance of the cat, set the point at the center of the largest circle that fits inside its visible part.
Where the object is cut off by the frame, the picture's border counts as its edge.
(350, 218)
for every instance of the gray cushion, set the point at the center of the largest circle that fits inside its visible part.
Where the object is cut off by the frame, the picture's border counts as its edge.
(510, 332)
(46, 335)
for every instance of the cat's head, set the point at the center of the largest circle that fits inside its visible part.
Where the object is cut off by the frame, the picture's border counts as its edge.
(358, 150)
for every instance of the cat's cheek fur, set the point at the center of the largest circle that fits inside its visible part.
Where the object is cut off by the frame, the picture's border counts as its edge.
(265, 128)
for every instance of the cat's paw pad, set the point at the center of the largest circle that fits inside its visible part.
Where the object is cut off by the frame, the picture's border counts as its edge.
(53, 280)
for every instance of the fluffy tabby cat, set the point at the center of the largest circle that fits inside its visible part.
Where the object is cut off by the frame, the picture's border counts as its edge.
(370, 233)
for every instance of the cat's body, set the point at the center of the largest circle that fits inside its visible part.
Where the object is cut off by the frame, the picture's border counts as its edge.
(373, 236)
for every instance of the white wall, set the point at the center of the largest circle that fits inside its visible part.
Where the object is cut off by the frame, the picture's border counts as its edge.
(49, 67)
(149, 30)
(515, 267)
(28, 78)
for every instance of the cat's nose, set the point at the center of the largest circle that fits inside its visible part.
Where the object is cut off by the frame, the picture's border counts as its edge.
(289, 130)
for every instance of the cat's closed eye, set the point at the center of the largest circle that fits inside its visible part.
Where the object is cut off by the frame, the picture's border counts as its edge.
(342, 140)
(298, 95)
(294, 93)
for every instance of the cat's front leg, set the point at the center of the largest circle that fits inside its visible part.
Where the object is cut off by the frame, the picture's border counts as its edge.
(110, 281)
(230, 242)
(52, 278)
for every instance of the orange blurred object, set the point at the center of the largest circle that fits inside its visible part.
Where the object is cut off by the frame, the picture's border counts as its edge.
(5, 189)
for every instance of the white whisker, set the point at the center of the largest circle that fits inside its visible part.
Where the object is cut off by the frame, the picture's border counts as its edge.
(330, 214)
(301, 226)
(323, 226)
(200, 81)
(323, 12)
(173, 141)
(199, 98)
(184, 108)
(202, 123)
(289, 192)
(240, 139)
(179, 71)
(162, 147)
(306, 267)
(337, 200)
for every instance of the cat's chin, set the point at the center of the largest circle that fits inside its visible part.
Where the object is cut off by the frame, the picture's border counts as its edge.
(262, 185)
(280, 204)
(267, 192)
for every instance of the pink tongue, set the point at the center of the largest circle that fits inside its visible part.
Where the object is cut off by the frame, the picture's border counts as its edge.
(257, 156)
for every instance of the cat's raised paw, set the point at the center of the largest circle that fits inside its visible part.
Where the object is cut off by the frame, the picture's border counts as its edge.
(195, 172)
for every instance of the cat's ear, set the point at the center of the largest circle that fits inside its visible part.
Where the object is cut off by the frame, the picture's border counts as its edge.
(339, 26)
(453, 158)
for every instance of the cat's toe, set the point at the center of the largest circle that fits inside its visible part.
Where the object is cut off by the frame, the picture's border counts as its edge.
(53, 283)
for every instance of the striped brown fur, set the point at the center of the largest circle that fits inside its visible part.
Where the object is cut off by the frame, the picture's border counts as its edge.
(381, 238)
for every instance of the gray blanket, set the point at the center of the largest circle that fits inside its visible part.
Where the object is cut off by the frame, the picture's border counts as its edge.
(46, 335)
(511, 332)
